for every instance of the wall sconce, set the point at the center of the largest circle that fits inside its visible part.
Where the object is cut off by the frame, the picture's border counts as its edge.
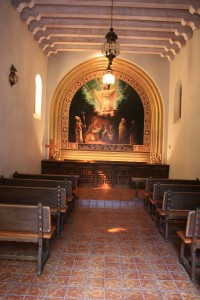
(13, 78)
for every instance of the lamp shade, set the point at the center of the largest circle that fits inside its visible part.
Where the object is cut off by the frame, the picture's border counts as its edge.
(110, 48)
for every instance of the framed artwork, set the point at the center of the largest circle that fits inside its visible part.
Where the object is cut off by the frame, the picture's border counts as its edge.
(106, 118)
(90, 122)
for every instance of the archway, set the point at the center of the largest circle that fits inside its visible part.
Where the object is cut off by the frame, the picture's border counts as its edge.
(140, 81)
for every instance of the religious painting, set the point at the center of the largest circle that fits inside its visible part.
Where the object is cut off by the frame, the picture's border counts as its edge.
(102, 116)
(93, 123)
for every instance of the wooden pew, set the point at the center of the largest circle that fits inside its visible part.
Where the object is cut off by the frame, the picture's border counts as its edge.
(175, 206)
(55, 198)
(27, 223)
(160, 189)
(67, 185)
(190, 238)
(151, 181)
(72, 178)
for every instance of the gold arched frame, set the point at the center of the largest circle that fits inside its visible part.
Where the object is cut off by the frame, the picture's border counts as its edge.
(144, 86)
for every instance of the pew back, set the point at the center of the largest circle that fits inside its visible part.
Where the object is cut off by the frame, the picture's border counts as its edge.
(160, 189)
(33, 195)
(72, 178)
(180, 201)
(151, 181)
(26, 223)
(176, 206)
(32, 182)
(24, 218)
(64, 183)
(55, 198)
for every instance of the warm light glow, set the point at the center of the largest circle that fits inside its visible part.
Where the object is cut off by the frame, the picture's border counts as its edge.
(116, 230)
(106, 186)
(103, 187)
(38, 97)
(108, 78)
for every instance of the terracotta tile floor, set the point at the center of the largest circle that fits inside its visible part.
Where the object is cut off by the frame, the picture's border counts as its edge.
(122, 194)
(109, 249)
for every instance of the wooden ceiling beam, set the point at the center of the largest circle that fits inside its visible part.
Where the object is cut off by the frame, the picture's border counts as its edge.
(170, 4)
(139, 24)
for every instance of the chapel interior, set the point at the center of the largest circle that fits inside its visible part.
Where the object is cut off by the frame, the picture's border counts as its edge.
(51, 83)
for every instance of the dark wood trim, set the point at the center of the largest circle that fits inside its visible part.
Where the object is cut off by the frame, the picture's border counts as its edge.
(98, 173)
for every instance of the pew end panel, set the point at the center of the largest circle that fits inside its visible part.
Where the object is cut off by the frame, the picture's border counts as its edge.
(70, 197)
(190, 240)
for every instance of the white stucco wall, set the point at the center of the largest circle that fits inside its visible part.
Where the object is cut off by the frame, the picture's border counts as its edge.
(184, 142)
(21, 135)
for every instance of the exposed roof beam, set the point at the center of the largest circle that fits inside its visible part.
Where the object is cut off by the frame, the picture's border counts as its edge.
(160, 27)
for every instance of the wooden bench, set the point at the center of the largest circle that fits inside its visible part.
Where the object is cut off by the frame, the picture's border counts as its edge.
(27, 223)
(55, 198)
(72, 178)
(160, 189)
(65, 184)
(151, 181)
(175, 206)
(190, 238)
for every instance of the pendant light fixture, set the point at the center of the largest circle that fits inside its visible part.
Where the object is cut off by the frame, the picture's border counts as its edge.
(108, 77)
(110, 49)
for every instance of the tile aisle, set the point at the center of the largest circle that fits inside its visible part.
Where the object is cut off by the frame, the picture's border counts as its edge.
(107, 250)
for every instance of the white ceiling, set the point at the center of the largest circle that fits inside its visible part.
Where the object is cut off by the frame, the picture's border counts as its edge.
(157, 27)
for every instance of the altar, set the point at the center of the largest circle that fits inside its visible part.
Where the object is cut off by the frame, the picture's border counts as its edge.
(105, 173)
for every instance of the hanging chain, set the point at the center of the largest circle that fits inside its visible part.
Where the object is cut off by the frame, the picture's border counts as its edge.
(111, 15)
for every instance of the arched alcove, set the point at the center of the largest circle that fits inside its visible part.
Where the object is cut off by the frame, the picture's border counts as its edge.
(151, 148)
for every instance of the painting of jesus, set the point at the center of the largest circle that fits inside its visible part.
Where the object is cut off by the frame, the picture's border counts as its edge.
(107, 115)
